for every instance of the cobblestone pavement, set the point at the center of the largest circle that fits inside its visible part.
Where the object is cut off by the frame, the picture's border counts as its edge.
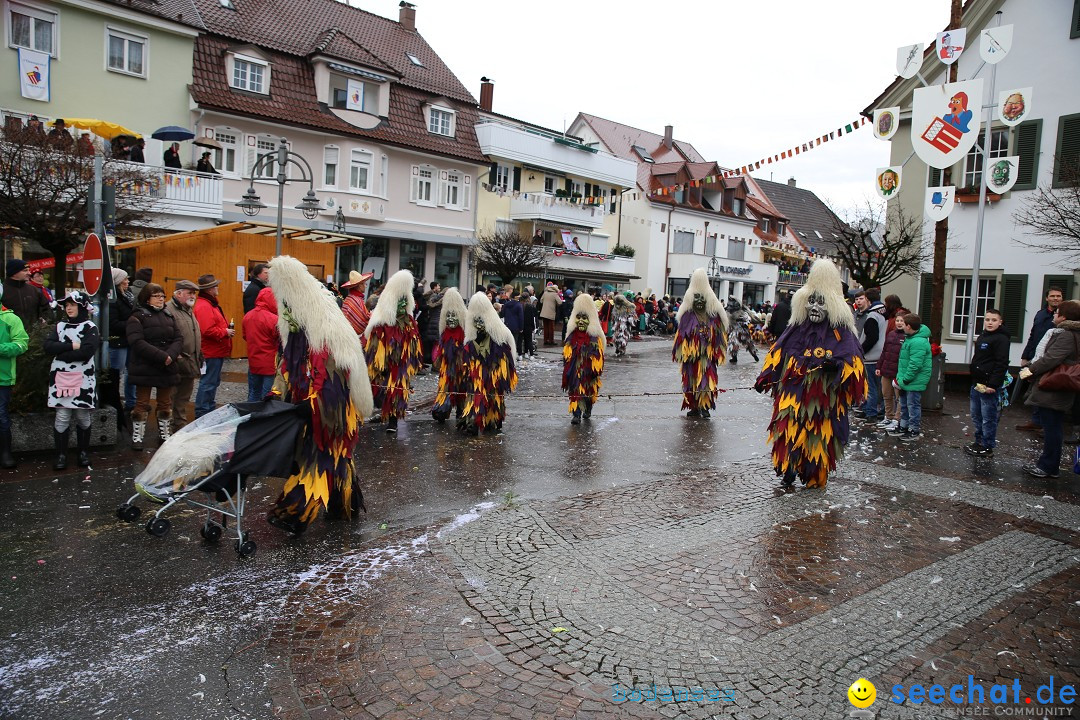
(548, 571)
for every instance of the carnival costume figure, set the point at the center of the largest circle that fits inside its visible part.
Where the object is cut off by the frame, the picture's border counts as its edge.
(392, 347)
(700, 343)
(73, 343)
(583, 358)
(490, 374)
(448, 357)
(815, 373)
(624, 318)
(321, 366)
(740, 333)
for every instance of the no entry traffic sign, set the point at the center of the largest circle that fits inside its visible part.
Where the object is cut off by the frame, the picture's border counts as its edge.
(92, 264)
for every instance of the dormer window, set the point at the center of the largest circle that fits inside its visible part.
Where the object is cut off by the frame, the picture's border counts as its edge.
(780, 228)
(249, 73)
(441, 121)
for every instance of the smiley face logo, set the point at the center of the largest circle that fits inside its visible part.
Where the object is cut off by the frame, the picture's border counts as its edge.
(862, 693)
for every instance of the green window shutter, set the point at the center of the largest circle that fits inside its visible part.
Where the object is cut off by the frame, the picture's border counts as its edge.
(493, 174)
(1028, 139)
(926, 296)
(1065, 282)
(1075, 31)
(934, 179)
(1013, 297)
(1067, 157)
(517, 178)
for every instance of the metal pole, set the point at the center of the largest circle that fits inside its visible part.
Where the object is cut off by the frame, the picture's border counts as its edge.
(101, 299)
(282, 160)
(969, 340)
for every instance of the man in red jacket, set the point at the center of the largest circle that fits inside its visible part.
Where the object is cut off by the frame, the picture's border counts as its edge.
(261, 333)
(216, 342)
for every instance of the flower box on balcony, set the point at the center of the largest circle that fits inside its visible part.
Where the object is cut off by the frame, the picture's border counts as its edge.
(971, 195)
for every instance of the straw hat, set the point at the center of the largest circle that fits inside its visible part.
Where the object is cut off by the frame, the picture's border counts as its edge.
(356, 278)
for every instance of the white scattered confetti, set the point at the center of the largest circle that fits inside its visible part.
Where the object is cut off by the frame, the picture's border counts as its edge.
(936, 579)
(949, 539)
(1008, 652)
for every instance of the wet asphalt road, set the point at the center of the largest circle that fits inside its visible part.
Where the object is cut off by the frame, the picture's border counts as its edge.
(103, 620)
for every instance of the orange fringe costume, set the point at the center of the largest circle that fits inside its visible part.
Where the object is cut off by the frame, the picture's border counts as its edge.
(699, 347)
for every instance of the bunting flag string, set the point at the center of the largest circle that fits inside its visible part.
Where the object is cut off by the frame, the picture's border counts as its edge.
(768, 160)
(596, 203)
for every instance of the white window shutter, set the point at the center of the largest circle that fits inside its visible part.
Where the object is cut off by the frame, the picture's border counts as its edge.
(414, 190)
(442, 190)
(466, 191)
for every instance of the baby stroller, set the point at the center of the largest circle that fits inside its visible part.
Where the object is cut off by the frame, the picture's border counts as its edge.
(206, 464)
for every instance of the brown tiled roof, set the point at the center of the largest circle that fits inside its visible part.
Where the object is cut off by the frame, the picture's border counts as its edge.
(292, 101)
(334, 43)
(620, 139)
(295, 27)
(180, 11)
(760, 207)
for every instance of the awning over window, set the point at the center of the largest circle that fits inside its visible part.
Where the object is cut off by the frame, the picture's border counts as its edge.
(358, 73)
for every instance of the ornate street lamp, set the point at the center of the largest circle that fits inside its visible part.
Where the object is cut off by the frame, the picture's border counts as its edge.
(280, 159)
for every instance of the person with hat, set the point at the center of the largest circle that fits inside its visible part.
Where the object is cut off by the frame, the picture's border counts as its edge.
(73, 343)
(154, 344)
(216, 342)
(189, 362)
(136, 153)
(59, 135)
(260, 328)
(204, 164)
(37, 279)
(354, 307)
(22, 297)
(258, 276)
(142, 277)
(13, 342)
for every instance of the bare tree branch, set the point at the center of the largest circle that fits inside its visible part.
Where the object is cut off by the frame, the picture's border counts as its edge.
(509, 255)
(881, 242)
(1053, 215)
(45, 187)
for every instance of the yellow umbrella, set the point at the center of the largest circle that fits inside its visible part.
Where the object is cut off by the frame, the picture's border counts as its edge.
(101, 128)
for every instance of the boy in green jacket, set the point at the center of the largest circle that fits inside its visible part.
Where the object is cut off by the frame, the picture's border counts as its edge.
(13, 342)
(912, 376)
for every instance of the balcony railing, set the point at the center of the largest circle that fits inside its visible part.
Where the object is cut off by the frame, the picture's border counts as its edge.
(569, 260)
(547, 207)
(170, 191)
(794, 279)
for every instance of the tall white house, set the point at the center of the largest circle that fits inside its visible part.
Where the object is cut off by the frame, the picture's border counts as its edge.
(1045, 56)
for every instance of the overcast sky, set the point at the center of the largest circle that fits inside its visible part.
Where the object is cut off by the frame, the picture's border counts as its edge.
(738, 80)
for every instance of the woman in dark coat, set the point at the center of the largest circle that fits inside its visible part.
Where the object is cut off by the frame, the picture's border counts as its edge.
(154, 343)
(1060, 345)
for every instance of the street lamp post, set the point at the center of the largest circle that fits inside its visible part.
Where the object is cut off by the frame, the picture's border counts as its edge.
(281, 158)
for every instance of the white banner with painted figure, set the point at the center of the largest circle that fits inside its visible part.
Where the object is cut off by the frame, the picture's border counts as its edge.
(939, 202)
(34, 75)
(887, 181)
(354, 99)
(950, 44)
(1014, 106)
(909, 60)
(1002, 175)
(886, 121)
(944, 125)
(995, 43)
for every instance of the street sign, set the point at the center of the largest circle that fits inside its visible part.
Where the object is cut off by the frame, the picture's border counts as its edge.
(92, 264)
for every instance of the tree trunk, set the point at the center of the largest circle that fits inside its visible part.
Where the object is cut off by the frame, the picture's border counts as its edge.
(941, 227)
(59, 273)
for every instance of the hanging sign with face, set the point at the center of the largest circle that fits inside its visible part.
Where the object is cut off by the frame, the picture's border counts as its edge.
(886, 120)
(950, 44)
(887, 183)
(1002, 175)
(1014, 106)
(944, 124)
